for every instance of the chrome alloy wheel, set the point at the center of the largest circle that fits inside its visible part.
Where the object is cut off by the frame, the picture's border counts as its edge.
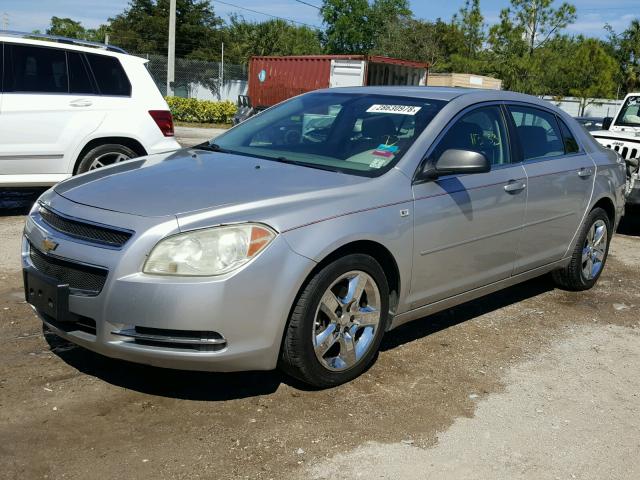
(107, 159)
(346, 321)
(594, 250)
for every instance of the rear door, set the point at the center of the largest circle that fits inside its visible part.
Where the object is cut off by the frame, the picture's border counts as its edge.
(467, 227)
(560, 178)
(46, 108)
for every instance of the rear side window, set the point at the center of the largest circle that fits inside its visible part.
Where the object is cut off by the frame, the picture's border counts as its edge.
(570, 143)
(35, 69)
(109, 75)
(79, 77)
(538, 132)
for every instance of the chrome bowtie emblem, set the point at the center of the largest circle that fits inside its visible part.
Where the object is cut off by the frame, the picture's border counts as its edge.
(49, 245)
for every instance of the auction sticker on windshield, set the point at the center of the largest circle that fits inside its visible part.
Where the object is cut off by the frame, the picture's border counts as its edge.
(398, 109)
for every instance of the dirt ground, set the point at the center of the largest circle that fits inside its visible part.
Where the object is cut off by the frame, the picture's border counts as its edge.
(531, 382)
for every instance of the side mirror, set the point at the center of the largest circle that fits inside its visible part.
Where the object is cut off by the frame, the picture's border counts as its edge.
(457, 162)
(606, 123)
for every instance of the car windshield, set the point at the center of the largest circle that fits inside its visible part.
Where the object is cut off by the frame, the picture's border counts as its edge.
(630, 113)
(361, 134)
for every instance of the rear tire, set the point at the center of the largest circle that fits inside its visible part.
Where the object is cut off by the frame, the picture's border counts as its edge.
(589, 254)
(105, 155)
(337, 323)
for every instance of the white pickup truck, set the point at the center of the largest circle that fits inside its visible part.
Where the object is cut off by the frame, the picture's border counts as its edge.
(622, 134)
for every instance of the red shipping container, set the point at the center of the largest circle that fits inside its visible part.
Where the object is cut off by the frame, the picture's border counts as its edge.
(274, 79)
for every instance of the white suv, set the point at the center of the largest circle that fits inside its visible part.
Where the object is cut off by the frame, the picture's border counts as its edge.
(68, 106)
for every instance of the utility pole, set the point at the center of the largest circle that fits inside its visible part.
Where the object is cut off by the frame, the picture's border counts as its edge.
(5, 21)
(171, 60)
(221, 73)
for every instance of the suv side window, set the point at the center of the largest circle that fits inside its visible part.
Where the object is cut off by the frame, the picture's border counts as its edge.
(109, 75)
(538, 132)
(481, 130)
(570, 143)
(79, 79)
(35, 69)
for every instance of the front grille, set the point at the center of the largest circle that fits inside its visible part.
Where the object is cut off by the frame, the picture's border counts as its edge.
(77, 276)
(84, 231)
(625, 152)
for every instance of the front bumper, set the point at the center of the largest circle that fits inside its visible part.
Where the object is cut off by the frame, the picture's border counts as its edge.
(245, 310)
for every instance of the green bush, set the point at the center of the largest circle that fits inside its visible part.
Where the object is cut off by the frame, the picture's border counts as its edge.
(201, 111)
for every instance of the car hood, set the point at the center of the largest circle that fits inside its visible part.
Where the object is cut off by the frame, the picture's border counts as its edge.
(192, 180)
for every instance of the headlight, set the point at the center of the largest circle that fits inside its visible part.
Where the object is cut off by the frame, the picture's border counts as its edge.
(211, 251)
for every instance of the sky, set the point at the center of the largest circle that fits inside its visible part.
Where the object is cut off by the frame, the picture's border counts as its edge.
(28, 15)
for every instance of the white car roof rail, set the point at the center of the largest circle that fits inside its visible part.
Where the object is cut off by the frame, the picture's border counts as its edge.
(60, 39)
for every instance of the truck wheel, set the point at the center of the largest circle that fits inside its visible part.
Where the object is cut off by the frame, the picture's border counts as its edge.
(589, 255)
(337, 323)
(104, 155)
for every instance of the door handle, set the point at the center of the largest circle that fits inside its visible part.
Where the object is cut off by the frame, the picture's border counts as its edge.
(514, 186)
(585, 172)
(81, 102)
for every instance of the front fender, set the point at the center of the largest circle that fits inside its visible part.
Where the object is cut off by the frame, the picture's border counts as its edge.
(383, 225)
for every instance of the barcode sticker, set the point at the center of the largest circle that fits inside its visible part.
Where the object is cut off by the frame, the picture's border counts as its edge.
(398, 109)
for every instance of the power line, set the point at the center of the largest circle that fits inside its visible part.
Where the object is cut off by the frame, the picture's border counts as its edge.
(308, 4)
(266, 14)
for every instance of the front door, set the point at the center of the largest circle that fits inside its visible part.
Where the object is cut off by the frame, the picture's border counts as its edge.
(560, 182)
(467, 227)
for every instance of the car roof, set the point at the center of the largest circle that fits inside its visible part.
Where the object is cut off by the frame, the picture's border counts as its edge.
(440, 93)
(62, 43)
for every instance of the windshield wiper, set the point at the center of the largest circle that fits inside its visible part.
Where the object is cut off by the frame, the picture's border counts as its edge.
(304, 164)
(212, 147)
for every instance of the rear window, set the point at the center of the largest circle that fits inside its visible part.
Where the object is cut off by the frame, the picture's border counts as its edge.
(35, 69)
(109, 75)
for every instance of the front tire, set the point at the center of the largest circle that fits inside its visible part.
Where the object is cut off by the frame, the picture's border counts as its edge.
(589, 254)
(105, 155)
(337, 323)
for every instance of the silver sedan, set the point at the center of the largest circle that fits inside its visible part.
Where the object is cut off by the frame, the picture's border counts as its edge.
(299, 237)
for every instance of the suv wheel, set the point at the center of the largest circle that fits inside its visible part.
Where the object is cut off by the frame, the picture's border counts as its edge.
(337, 323)
(104, 155)
(589, 255)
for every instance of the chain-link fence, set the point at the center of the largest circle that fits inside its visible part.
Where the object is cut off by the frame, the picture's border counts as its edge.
(199, 78)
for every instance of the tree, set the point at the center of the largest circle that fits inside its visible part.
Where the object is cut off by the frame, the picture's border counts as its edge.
(592, 72)
(520, 41)
(273, 37)
(470, 22)
(626, 49)
(66, 27)
(356, 26)
(534, 22)
(412, 39)
(143, 28)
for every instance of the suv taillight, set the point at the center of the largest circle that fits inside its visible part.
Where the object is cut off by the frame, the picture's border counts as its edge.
(164, 120)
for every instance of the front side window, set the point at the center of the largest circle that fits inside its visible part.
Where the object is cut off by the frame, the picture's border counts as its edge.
(538, 132)
(35, 70)
(109, 75)
(630, 113)
(481, 130)
(353, 133)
